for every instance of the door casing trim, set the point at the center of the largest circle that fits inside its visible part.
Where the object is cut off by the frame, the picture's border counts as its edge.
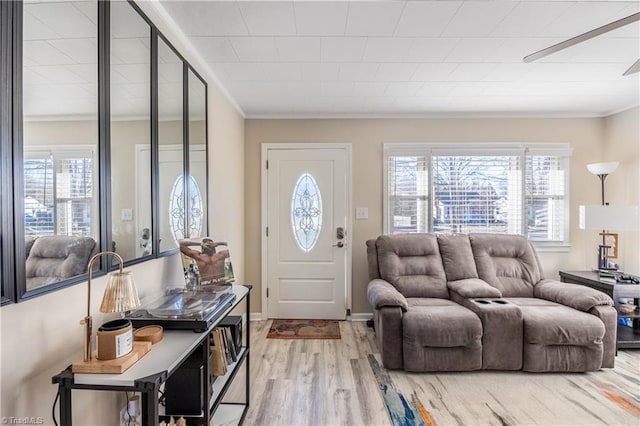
(265, 148)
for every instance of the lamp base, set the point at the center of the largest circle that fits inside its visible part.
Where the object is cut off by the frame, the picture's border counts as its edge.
(112, 366)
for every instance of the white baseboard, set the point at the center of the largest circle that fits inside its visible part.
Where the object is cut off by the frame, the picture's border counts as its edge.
(365, 316)
(257, 316)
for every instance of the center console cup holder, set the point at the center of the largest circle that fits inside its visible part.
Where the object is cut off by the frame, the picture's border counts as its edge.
(487, 302)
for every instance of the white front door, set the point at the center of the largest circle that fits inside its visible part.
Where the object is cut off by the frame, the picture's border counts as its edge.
(306, 244)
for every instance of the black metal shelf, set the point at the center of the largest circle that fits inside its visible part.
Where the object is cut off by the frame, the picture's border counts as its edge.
(159, 367)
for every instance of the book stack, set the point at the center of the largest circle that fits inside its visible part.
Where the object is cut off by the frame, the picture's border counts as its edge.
(224, 350)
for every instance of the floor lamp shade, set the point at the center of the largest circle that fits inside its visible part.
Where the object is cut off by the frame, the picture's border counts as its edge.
(615, 218)
(603, 168)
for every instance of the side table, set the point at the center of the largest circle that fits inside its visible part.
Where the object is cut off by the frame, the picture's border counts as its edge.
(628, 336)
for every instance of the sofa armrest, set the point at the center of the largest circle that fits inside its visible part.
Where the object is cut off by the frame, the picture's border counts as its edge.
(473, 287)
(573, 295)
(382, 294)
(609, 317)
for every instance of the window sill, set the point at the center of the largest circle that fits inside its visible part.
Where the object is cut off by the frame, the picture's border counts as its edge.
(546, 248)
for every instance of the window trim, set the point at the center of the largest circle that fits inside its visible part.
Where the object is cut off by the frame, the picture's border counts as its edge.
(427, 150)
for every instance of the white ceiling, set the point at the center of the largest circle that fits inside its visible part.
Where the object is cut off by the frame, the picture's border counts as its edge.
(60, 58)
(414, 58)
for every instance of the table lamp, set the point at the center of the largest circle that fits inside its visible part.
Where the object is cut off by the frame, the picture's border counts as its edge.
(618, 218)
(119, 296)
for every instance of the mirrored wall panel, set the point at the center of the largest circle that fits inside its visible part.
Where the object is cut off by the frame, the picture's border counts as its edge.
(87, 173)
(131, 226)
(171, 184)
(197, 189)
(60, 105)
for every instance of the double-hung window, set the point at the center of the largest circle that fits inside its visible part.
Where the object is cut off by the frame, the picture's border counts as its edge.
(59, 192)
(507, 188)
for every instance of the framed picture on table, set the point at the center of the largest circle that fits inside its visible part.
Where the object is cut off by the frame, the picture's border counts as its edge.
(611, 240)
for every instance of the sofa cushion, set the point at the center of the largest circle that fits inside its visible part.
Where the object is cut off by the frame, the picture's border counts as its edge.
(59, 256)
(507, 262)
(473, 287)
(423, 301)
(573, 295)
(412, 264)
(550, 323)
(440, 323)
(457, 257)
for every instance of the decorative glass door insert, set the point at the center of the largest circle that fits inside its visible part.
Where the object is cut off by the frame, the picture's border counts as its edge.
(306, 212)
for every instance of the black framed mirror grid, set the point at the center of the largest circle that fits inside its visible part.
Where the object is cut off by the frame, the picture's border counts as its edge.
(130, 107)
(197, 222)
(60, 142)
(9, 12)
(171, 143)
(91, 95)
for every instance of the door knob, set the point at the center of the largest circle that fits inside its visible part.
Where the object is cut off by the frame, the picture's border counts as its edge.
(340, 244)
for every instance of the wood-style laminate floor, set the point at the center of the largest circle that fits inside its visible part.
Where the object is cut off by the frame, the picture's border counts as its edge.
(332, 382)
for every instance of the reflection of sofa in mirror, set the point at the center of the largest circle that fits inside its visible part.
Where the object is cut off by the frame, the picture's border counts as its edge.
(54, 258)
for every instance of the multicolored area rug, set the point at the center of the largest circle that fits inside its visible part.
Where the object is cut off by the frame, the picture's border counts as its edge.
(304, 329)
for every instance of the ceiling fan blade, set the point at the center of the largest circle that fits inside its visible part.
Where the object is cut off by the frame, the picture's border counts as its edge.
(633, 68)
(582, 37)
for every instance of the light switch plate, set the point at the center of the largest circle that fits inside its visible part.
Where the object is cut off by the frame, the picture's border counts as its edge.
(362, 213)
(126, 215)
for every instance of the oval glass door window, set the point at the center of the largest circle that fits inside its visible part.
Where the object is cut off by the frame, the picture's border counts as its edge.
(306, 212)
(176, 209)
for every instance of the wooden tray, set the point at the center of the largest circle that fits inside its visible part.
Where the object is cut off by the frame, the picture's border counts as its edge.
(112, 366)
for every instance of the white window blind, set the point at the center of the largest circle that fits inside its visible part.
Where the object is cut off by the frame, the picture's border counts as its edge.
(545, 198)
(58, 192)
(408, 191)
(514, 189)
(477, 194)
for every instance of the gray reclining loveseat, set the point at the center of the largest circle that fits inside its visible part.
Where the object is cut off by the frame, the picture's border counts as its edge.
(480, 301)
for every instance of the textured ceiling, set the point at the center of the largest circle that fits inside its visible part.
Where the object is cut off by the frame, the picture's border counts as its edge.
(359, 58)
(347, 58)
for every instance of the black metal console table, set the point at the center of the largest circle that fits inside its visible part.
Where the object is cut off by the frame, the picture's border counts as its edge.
(165, 358)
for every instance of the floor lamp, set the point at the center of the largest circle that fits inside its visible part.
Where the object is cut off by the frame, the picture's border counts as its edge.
(602, 170)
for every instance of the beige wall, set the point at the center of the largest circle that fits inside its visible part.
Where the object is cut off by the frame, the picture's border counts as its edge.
(622, 187)
(227, 179)
(42, 336)
(586, 137)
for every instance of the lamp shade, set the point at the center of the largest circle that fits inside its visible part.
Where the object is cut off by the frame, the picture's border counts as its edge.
(121, 294)
(603, 168)
(615, 218)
